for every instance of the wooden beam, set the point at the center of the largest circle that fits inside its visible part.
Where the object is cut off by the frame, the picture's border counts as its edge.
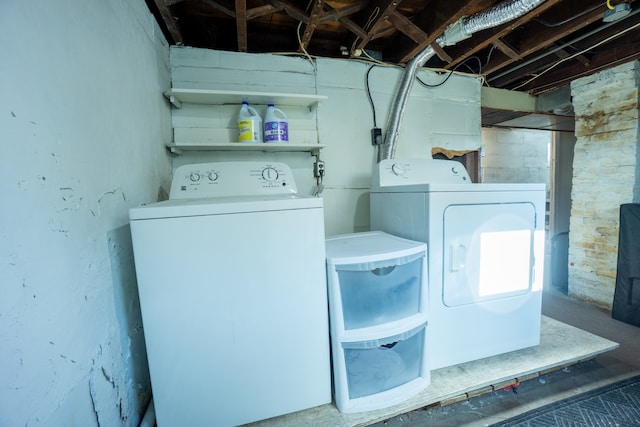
(220, 7)
(440, 52)
(435, 23)
(241, 24)
(506, 49)
(464, 50)
(561, 53)
(407, 27)
(315, 15)
(337, 14)
(508, 78)
(610, 54)
(353, 27)
(291, 10)
(380, 11)
(259, 11)
(169, 21)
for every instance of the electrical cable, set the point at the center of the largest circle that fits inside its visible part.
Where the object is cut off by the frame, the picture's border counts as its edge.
(557, 24)
(600, 43)
(366, 84)
(427, 85)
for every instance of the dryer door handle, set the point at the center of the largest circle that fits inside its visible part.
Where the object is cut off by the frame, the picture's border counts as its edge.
(457, 257)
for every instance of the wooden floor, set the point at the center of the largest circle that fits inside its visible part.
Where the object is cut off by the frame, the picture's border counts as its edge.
(560, 345)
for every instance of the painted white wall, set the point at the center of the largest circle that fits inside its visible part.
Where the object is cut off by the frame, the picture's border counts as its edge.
(84, 125)
(446, 116)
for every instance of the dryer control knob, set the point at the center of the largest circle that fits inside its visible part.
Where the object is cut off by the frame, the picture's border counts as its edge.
(270, 174)
(455, 170)
(398, 169)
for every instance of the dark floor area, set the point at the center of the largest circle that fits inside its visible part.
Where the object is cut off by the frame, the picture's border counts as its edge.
(549, 387)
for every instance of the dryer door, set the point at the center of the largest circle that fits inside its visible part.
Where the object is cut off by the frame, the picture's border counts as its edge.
(487, 252)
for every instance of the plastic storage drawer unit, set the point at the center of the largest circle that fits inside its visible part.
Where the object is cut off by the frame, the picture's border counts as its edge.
(378, 315)
(380, 365)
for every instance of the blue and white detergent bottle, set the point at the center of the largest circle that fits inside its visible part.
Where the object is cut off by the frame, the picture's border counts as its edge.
(249, 124)
(276, 127)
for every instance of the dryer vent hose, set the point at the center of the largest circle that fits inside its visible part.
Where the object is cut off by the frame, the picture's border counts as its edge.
(462, 29)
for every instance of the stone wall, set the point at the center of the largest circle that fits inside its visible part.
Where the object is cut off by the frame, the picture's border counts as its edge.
(605, 175)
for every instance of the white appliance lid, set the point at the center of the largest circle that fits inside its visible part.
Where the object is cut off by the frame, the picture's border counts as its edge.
(177, 208)
(462, 188)
(369, 247)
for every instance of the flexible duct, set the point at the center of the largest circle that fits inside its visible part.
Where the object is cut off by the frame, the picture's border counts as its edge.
(463, 29)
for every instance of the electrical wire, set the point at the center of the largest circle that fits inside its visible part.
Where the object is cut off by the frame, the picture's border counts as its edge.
(366, 85)
(600, 43)
(557, 24)
(427, 85)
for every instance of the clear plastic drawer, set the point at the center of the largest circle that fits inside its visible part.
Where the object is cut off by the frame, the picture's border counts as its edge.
(377, 293)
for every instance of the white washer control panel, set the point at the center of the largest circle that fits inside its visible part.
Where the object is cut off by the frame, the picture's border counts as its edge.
(391, 172)
(225, 179)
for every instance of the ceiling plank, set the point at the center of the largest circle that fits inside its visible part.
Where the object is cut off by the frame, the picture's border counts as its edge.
(169, 21)
(535, 66)
(241, 24)
(614, 52)
(540, 38)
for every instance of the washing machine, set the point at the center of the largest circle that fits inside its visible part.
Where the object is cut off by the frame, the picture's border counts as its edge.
(485, 254)
(232, 284)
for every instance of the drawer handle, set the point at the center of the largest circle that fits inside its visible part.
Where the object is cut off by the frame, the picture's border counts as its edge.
(383, 271)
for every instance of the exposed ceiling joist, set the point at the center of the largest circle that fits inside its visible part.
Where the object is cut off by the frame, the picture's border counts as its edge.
(556, 42)
(241, 24)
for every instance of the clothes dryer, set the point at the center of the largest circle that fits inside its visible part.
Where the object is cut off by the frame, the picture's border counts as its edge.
(232, 283)
(485, 254)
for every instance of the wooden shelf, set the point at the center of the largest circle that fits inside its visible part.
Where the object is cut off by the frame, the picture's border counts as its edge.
(225, 97)
(314, 149)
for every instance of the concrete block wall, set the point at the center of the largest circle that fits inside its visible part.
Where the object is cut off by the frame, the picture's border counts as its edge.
(605, 175)
(515, 155)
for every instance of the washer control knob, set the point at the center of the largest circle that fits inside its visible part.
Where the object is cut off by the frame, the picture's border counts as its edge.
(455, 170)
(213, 176)
(194, 177)
(270, 174)
(398, 169)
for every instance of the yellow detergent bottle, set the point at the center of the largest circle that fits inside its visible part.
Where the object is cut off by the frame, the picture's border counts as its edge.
(249, 124)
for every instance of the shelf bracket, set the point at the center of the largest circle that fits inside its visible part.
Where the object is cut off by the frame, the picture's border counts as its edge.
(173, 100)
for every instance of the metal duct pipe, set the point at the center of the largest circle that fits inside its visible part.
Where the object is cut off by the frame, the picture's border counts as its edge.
(388, 149)
(463, 29)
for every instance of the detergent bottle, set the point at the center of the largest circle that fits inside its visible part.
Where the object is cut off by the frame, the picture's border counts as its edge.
(249, 124)
(276, 127)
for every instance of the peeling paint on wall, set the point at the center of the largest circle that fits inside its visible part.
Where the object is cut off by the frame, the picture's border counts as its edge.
(605, 171)
(84, 126)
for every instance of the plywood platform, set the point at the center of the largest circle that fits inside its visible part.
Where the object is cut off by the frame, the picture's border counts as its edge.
(560, 345)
